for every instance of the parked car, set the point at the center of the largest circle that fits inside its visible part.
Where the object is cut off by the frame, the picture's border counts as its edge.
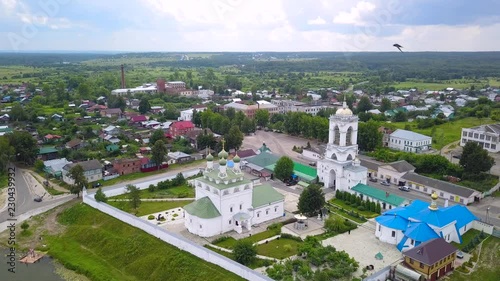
(460, 255)
(96, 184)
(404, 188)
(373, 179)
(385, 183)
(312, 164)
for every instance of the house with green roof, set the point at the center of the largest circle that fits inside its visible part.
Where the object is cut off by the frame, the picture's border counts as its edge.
(48, 153)
(305, 173)
(227, 201)
(387, 200)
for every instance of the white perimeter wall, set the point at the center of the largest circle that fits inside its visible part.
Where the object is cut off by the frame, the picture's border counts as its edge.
(174, 239)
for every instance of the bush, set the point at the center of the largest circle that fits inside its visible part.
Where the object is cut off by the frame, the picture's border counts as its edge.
(275, 227)
(291, 237)
(151, 217)
(361, 208)
(152, 188)
(287, 248)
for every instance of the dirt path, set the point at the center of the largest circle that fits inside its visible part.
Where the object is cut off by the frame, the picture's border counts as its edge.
(446, 149)
(40, 180)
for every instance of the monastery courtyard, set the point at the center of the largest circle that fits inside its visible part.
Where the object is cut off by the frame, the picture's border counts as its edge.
(362, 245)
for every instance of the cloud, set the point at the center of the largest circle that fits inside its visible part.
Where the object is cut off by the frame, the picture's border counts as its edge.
(355, 15)
(318, 21)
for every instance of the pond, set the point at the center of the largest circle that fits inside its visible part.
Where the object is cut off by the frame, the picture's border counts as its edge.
(43, 270)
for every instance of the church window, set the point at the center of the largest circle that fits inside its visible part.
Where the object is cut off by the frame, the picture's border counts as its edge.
(241, 206)
(393, 233)
(229, 221)
(348, 137)
(267, 211)
(190, 220)
(236, 190)
(336, 133)
(379, 227)
(247, 187)
(199, 184)
(201, 226)
(231, 209)
(225, 192)
(275, 209)
(258, 214)
(207, 188)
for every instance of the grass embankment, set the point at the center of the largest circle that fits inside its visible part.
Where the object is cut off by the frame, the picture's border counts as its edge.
(183, 191)
(230, 242)
(104, 248)
(448, 132)
(466, 238)
(487, 267)
(256, 263)
(146, 208)
(4, 181)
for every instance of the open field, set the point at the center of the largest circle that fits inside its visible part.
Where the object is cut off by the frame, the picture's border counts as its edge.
(441, 85)
(448, 132)
(487, 267)
(279, 248)
(183, 191)
(104, 248)
(148, 207)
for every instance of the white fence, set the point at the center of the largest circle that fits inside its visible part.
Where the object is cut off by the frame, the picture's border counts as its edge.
(484, 227)
(175, 240)
(110, 177)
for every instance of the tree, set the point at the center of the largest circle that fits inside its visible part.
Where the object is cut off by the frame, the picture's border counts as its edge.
(134, 195)
(244, 251)
(262, 117)
(144, 106)
(6, 153)
(369, 136)
(400, 116)
(247, 126)
(25, 147)
(17, 113)
(159, 151)
(386, 105)
(79, 180)
(206, 140)
(284, 168)
(475, 159)
(311, 200)
(100, 196)
(158, 135)
(39, 166)
(364, 104)
(334, 224)
(234, 138)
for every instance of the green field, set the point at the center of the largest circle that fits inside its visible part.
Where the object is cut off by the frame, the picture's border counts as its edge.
(445, 133)
(183, 191)
(441, 85)
(277, 248)
(256, 263)
(487, 268)
(104, 248)
(146, 208)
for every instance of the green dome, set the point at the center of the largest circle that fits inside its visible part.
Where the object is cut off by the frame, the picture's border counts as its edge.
(223, 154)
(222, 162)
(236, 159)
(210, 157)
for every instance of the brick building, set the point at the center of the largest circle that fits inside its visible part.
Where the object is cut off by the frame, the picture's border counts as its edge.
(127, 166)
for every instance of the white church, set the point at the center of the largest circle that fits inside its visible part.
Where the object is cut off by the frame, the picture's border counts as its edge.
(226, 200)
(340, 168)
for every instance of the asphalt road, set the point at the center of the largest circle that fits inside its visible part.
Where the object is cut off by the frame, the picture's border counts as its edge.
(25, 198)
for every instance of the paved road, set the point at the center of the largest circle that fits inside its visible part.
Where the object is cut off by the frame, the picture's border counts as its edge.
(478, 209)
(24, 198)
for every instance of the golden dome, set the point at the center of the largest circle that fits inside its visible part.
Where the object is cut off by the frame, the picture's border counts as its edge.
(434, 196)
(344, 111)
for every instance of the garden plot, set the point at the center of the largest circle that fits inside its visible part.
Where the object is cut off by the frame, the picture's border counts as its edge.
(171, 216)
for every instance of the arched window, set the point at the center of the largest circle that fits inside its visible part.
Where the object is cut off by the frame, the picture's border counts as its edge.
(247, 186)
(336, 133)
(226, 192)
(348, 137)
(207, 188)
(334, 156)
(349, 157)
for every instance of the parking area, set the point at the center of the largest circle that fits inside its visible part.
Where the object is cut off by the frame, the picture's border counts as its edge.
(362, 245)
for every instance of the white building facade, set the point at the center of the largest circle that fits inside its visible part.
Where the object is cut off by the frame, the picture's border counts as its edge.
(340, 168)
(487, 136)
(227, 201)
(409, 141)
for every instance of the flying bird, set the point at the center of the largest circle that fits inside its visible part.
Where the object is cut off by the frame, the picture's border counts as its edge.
(398, 46)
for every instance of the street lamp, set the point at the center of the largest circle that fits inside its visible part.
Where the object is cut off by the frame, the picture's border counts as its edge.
(488, 214)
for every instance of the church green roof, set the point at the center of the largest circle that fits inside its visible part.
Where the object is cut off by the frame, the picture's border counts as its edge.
(230, 176)
(265, 194)
(202, 208)
(263, 159)
(378, 194)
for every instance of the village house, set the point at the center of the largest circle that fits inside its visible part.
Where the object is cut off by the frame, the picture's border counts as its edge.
(111, 130)
(409, 141)
(180, 128)
(487, 136)
(111, 113)
(92, 171)
(74, 144)
(178, 157)
(127, 166)
(393, 172)
(48, 153)
(432, 259)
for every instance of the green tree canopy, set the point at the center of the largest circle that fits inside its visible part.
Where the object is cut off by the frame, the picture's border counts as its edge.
(234, 138)
(100, 196)
(80, 181)
(158, 135)
(386, 105)
(364, 104)
(369, 136)
(311, 200)
(25, 147)
(244, 251)
(400, 116)
(475, 159)
(159, 151)
(262, 117)
(7, 151)
(144, 106)
(284, 168)
(134, 195)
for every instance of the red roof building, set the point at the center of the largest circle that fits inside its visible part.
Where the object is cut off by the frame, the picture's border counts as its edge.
(138, 119)
(180, 128)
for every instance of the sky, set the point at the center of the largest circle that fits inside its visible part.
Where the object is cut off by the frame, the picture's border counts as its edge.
(249, 25)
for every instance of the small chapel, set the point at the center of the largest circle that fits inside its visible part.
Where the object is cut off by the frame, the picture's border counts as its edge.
(339, 168)
(226, 200)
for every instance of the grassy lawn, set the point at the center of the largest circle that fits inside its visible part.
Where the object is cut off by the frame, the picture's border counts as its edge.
(482, 186)
(4, 181)
(230, 242)
(466, 238)
(149, 207)
(440, 85)
(487, 267)
(366, 214)
(183, 191)
(276, 248)
(496, 194)
(448, 132)
(256, 263)
(104, 248)
(344, 214)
